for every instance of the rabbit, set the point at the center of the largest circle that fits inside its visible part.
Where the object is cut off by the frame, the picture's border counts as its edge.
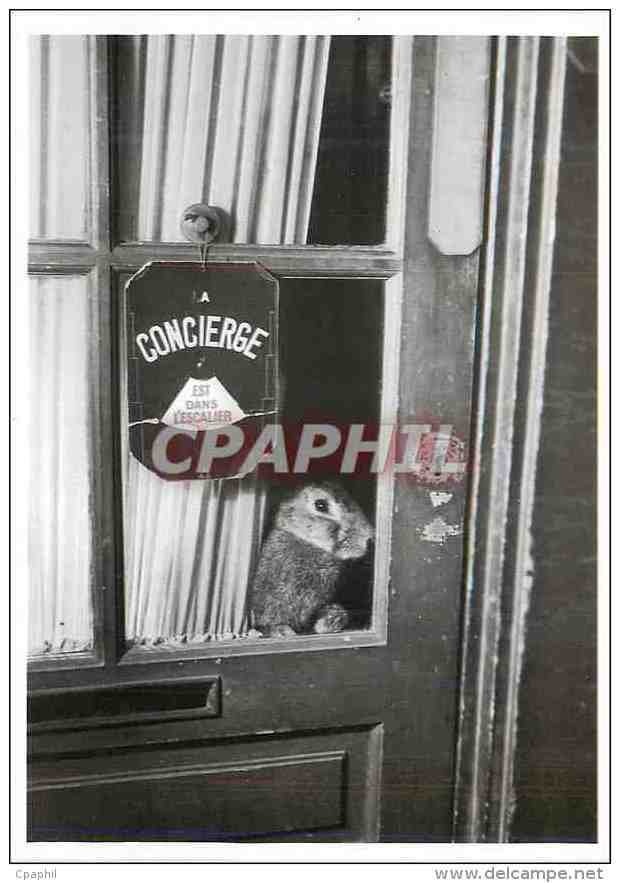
(316, 532)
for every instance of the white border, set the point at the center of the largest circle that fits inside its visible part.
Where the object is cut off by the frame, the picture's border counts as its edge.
(440, 21)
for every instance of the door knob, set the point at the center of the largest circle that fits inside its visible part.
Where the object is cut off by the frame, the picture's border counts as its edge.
(201, 223)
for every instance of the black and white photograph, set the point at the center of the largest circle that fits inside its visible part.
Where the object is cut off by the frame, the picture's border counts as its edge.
(306, 412)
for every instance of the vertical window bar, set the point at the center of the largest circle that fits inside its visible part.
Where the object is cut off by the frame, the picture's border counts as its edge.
(107, 509)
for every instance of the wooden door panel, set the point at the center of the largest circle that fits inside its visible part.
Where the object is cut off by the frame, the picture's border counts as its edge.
(319, 786)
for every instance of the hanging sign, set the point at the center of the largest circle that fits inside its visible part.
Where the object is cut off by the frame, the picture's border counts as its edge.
(202, 365)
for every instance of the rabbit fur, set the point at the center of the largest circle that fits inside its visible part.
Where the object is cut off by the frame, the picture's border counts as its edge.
(316, 531)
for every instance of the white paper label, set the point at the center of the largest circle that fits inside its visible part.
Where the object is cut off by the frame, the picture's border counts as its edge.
(203, 405)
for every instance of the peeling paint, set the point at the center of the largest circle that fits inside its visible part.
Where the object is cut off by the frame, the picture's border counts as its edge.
(438, 530)
(440, 498)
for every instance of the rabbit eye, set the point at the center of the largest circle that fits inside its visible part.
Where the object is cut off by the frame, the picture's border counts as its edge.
(321, 505)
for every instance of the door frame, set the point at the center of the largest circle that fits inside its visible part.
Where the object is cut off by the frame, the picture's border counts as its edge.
(523, 168)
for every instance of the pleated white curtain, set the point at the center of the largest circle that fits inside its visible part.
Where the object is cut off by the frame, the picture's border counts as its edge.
(191, 549)
(60, 528)
(233, 121)
(58, 396)
(60, 91)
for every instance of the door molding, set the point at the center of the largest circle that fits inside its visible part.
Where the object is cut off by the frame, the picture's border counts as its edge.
(528, 89)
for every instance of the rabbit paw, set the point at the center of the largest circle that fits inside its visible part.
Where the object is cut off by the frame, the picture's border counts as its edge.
(331, 619)
(279, 631)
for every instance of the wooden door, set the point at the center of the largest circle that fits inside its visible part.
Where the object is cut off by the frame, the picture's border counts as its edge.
(347, 736)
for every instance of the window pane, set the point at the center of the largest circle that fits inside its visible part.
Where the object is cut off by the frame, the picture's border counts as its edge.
(60, 113)
(351, 182)
(192, 548)
(279, 132)
(331, 333)
(60, 537)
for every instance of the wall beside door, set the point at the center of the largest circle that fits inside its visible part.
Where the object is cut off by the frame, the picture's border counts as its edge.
(555, 762)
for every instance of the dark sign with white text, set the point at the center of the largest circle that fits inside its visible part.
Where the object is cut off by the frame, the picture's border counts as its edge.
(202, 357)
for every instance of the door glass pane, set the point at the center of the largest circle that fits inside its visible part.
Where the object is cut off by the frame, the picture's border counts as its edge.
(351, 181)
(60, 525)
(288, 135)
(332, 354)
(192, 548)
(59, 137)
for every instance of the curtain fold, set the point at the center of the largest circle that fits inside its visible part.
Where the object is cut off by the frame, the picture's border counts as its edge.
(233, 121)
(60, 529)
